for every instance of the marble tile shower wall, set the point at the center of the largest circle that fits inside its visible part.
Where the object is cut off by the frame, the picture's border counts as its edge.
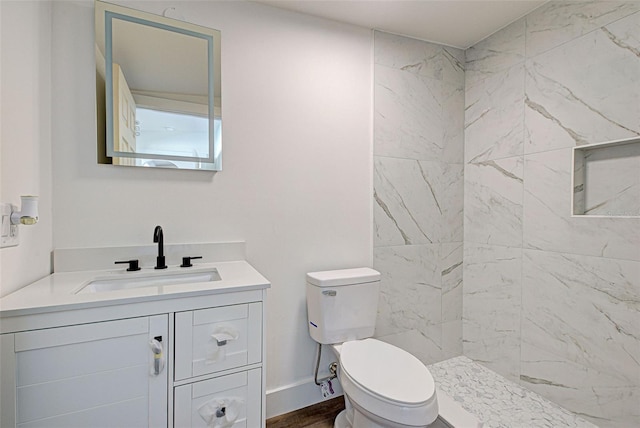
(418, 194)
(551, 301)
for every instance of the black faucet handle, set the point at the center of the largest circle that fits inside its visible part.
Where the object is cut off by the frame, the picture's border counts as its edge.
(186, 261)
(133, 264)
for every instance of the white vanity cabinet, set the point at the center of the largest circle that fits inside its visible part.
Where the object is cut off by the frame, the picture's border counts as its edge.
(98, 374)
(96, 363)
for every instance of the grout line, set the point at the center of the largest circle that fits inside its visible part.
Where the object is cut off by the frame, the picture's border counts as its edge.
(522, 218)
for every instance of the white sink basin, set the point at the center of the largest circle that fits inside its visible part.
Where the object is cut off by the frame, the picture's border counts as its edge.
(129, 280)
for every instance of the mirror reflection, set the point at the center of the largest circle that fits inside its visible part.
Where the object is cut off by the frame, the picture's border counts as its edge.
(158, 89)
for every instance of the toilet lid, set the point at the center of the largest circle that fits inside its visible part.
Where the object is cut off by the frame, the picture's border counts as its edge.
(387, 371)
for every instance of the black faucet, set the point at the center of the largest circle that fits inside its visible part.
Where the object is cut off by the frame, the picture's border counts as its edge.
(159, 238)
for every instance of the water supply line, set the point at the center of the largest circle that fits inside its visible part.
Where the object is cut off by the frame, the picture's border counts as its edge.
(333, 369)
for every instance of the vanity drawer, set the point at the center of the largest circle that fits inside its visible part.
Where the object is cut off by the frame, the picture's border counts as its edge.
(226, 401)
(210, 340)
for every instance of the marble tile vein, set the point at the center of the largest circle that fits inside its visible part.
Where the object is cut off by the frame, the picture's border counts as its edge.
(400, 185)
(559, 22)
(410, 289)
(455, 62)
(570, 301)
(591, 209)
(618, 327)
(417, 343)
(494, 109)
(620, 43)
(408, 115)
(563, 90)
(606, 399)
(539, 381)
(493, 202)
(404, 53)
(571, 96)
(430, 186)
(501, 50)
(451, 269)
(451, 279)
(539, 108)
(480, 116)
(566, 88)
(501, 170)
(386, 210)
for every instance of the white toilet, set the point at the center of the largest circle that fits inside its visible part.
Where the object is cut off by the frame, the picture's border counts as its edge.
(384, 386)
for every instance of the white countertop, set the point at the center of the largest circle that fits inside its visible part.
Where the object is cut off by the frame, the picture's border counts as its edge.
(59, 291)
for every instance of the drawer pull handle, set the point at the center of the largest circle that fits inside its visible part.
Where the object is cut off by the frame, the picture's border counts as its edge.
(223, 337)
(221, 412)
(158, 355)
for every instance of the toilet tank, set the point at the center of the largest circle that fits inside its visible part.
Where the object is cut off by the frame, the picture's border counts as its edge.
(342, 304)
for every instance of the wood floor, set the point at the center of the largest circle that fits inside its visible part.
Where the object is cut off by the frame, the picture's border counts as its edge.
(319, 415)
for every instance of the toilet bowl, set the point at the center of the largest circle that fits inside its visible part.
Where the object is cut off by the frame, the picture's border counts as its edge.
(385, 386)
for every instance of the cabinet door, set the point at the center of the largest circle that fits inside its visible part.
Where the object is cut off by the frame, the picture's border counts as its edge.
(227, 401)
(210, 340)
(97, 375)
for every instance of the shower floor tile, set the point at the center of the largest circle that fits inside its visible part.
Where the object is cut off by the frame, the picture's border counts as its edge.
(496, 401)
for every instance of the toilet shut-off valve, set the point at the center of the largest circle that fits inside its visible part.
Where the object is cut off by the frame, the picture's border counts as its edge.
(333, 369)
(326, 388)
(325, 383)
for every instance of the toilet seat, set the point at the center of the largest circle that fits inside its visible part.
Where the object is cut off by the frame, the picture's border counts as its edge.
(388, 382)
(387, 372)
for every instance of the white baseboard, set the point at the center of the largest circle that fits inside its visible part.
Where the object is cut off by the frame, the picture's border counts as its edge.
(287, 398)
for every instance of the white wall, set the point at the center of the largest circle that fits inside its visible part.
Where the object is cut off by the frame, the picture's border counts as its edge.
(297, 141)
(25, 134)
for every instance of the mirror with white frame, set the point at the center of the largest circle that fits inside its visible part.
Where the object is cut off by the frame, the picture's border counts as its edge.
(158, 91)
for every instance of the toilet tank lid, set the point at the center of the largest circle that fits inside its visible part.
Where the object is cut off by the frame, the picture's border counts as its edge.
(335, 278)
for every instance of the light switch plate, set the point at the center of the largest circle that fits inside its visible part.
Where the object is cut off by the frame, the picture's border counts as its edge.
(10, 231)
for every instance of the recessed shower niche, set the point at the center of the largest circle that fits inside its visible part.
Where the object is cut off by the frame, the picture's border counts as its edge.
(606, 179)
